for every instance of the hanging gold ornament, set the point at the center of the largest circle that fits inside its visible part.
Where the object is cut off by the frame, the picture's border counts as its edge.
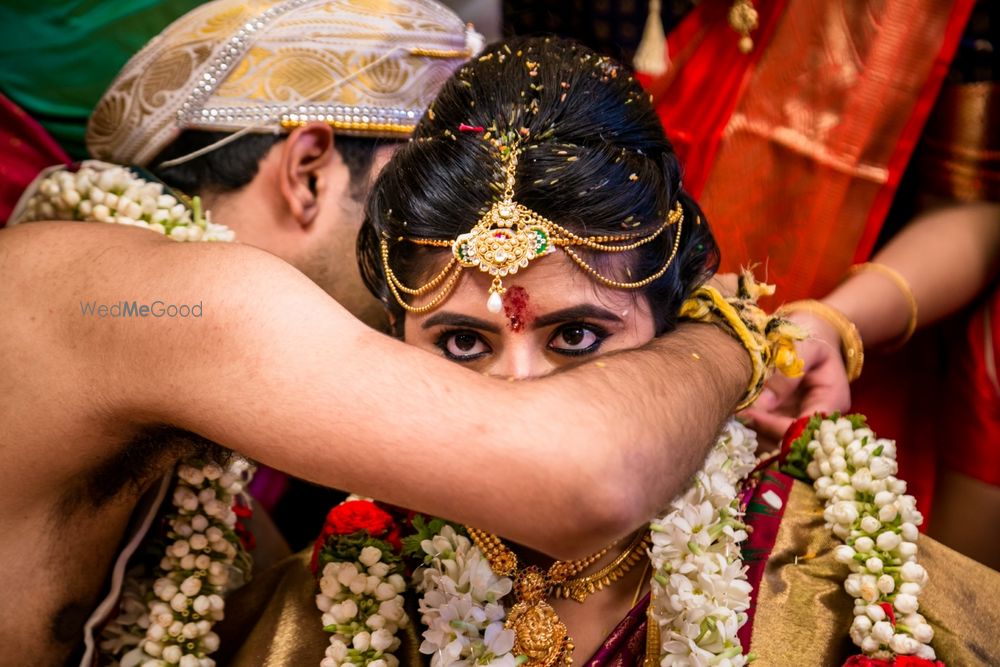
(743, 19)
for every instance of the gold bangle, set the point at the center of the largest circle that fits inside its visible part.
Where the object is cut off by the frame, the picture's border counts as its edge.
(904, 287)
(851, 346)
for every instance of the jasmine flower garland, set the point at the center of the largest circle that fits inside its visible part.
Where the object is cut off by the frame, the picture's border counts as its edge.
(167, 609)
(362, 607)
(700, 593)
(102, 192)
(695, 547)
(854, 473)
(360, 585)
(461, 600)
(461, 604)
(167, 612)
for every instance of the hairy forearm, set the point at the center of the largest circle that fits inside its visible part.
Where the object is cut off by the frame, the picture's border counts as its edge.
(644, 420)
(947, 256)
(551, 463)
(276, 370)
(559, 464)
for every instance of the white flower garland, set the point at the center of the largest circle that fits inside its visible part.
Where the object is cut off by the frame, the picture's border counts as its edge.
(167, 618)
(700, 589)
(103, 192)
(695, 546)
(362, 606)
(867, 507)
(164, 617)
(461, 604)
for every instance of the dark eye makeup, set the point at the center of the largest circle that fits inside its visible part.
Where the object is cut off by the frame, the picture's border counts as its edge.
(572, 339)
(577, 338)
(462, 345)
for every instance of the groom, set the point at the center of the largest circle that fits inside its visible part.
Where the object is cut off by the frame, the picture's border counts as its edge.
(95, 410)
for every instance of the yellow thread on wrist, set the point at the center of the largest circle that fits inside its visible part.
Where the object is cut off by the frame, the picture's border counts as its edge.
(769, 341)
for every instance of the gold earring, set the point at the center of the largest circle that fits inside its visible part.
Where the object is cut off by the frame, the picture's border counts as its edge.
(743, 19)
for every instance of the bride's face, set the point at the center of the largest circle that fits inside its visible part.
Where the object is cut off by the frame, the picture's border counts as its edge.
(554, 315)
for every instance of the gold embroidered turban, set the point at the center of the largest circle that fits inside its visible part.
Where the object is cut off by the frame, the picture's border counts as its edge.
(366, 67)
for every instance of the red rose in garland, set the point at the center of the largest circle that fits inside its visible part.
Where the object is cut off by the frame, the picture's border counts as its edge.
(357, 516)
(898, 661)
(914, 661)
(865, 661)
(794, 432)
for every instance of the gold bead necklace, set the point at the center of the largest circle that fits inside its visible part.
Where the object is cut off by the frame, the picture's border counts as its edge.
(539, 634)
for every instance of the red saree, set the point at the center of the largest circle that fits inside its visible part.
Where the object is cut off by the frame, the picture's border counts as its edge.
(797, 149)
(971, 409)
(959, 160)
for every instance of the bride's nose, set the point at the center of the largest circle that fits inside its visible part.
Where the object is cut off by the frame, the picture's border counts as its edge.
(520, 359)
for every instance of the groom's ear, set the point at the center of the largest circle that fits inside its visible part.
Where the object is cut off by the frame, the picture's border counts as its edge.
(302, 174)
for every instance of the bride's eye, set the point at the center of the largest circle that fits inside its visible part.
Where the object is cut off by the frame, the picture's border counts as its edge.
(463, 345)
(577, 338)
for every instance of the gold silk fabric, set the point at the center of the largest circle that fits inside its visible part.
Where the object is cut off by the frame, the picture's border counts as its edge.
(813, 151)
(274, 620)
(959, 155)
(804, 614)
(366, 67)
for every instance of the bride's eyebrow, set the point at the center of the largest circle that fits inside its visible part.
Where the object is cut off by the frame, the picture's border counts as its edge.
(458, 320)
(583, 311)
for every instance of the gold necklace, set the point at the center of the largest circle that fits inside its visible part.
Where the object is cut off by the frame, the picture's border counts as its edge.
(539, 634)
(578, 589)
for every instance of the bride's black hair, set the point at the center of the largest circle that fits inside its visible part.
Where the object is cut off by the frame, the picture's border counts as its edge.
(593, 158)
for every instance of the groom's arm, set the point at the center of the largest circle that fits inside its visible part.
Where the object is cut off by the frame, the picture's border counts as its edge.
(279, 372)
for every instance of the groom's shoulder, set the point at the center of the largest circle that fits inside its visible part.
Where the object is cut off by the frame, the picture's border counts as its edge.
(43, 244)
(53, 257)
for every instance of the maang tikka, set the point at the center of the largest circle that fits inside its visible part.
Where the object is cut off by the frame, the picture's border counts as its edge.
(508, 237)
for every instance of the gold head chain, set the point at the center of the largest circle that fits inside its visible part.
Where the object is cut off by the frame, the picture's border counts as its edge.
(508, 237)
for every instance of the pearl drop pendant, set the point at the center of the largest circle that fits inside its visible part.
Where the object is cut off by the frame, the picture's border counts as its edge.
(494, 304)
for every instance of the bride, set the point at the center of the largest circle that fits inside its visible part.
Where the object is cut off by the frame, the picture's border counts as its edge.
(537, 219)
(603, 249)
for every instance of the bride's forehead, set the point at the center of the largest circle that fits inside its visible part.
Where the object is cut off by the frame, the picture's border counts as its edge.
(550, 283)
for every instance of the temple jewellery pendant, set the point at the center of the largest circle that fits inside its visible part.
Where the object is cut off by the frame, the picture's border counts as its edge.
(539, 635)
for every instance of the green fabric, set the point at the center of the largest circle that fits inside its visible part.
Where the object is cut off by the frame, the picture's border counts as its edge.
(58, 57)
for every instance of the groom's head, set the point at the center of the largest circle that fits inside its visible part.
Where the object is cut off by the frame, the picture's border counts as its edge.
(279, 115)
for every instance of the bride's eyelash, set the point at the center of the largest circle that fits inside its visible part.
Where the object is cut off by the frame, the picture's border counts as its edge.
(600, 333)
(441, 342)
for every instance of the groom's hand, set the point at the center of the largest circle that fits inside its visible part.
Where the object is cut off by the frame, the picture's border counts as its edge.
(823, 386)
